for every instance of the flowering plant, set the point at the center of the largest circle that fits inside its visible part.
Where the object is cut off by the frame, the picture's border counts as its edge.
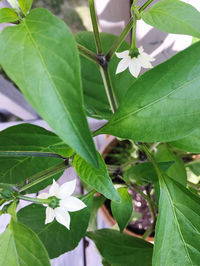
(158, 112)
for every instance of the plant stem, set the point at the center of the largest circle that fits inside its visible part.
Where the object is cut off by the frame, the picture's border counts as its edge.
(119, 40)
(88, 54)
(34, 200)
(43, 175)
(145, 5)
(133, 43)
(148, 231)
(149, 200)
(95, 27)
(29, 153)
(108, 88)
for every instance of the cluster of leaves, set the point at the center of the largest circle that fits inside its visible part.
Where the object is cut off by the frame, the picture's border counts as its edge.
(40, 55)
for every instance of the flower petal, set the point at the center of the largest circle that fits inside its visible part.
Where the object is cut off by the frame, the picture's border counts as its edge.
(66, 189)
(43, 196)
(62, 216)
(140, 49)
(122, 54)
(72, 204)
(144, 62)
(135, 67)
(123, 64)
(50, 215)
(148, 57)
(54, 189)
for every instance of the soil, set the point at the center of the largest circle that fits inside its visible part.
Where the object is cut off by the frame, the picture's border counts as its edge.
(140, 225)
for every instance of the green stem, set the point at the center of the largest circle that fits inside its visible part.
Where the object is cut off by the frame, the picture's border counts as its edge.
(41, 176)
(148, 232)
(95, 27)
(133, 43)
(119, 40)
(149, 200)
(145, 5)
(29, 153)
(34, 200)
(14, 4)
(88, 54)
(109, 89)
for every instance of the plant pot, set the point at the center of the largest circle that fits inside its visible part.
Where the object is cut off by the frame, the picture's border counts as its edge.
(111, 143)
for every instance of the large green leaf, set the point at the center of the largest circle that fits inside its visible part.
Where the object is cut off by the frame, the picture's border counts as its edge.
(190, 143)
(177, 240)
(20, 246)
(55, 237)
(177, 170)
(122, 210)
(121, 249)
(163, 104)
(41, 57)
(26, 137)
(174, 16)
(8, 15)
(97, 178)
(96, 103)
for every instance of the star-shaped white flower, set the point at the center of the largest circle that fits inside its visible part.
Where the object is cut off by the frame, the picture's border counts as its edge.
(67, 203)
(134, 64)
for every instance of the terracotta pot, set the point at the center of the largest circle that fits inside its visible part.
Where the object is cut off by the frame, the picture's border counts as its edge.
(104, 211)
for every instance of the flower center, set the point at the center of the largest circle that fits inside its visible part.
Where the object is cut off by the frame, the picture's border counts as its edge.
(54, 202)
(133, 52)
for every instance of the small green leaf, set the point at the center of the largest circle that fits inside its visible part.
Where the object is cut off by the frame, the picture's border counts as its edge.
(97, 203)
(155, 110)
(122, 211)
(25, 5)
(174, 16)
(121, 249)
(97, 178)
(8, 15)
(20, 246)
(95, 99)
(43, 61)
(66, 240)
(177, 170)
(177, 240)
(144, 173)
(190, 143)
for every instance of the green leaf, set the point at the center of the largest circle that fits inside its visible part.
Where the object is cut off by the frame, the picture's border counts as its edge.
(8, 15)
(41, 57)
(156, 110)
(177, 170)
(66, 240)
(25, 5)
(97, 178)
(174, 16)
(144, 173)
(177, 240)
(26, 137)
(97, 203)
(20, 246)
(121, 249)
(95, 99)
(194, 166)
(190, 143)
(122, 211)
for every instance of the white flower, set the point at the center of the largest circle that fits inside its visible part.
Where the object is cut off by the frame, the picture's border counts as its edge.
(67, 203)
(134, 64)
